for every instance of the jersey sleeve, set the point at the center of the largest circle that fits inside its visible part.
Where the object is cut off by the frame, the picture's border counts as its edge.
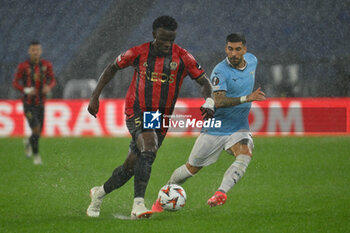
(193, 69)
(126, 59)
(18, 76)
(50, 75)
(218, 80)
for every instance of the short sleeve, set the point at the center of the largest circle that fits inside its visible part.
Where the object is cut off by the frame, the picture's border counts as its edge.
(19, 75)
(50, 70)
(194, 70)
(19, 72)
(126, 59)
(218, 80)
(50, 74)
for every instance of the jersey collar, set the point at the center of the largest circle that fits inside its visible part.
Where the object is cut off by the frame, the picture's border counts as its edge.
(241, 69)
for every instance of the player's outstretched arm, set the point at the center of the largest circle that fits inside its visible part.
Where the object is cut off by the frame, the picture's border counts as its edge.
(105, 77)
(222, 101)
(206, 90)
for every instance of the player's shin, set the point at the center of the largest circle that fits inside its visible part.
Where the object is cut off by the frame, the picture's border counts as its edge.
(119, 177)
(34, 142)
(142, 170)
(180, 175)
(235, 172)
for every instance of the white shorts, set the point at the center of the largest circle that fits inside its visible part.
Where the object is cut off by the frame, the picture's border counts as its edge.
(207, 148)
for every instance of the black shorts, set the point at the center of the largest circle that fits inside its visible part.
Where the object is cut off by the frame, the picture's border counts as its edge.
(135, 127)
(34, 115)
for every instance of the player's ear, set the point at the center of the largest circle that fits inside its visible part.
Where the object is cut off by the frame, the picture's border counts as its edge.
(244, 49)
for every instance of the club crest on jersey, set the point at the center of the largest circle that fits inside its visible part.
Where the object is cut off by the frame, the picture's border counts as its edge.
(43, 69)
(151, 120)
(215, 81)
(173, 65)
(145, 64)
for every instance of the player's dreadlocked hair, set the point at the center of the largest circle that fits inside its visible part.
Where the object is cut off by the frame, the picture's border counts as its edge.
(236, 37)
(166, 22)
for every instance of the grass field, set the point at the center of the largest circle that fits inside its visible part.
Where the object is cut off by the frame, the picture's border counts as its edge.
(293, 184)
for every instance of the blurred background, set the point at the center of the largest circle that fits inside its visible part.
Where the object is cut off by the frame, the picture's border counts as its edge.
(303, 47)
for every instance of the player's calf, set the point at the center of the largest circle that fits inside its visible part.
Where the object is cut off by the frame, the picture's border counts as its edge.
(27, 148)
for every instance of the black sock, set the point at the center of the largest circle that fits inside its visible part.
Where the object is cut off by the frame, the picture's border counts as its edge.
(34, 142)
(119, 177)
(142, 170)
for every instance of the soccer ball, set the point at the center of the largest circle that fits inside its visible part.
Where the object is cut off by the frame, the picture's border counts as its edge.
(172, 197)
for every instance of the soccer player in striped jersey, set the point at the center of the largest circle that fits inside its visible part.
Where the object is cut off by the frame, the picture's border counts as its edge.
(35, 79)
(233, 81)
(160, 67)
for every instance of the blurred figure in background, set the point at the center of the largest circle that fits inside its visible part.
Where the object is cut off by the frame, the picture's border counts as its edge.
(35, 79)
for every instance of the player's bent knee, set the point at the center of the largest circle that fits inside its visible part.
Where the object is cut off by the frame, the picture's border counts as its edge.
(130, 161)
(192, 169)
(244, 151)
(149, 148)
(36, 130)
(148, 156)
(148, 142)
(243, 147)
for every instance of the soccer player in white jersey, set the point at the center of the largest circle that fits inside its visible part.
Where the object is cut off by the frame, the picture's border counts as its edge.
(233, 81)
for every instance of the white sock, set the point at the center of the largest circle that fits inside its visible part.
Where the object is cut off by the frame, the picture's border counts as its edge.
(101, 192)
(235, 172)
(180, 175)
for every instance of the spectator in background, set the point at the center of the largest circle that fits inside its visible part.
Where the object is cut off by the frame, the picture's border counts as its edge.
(35, 79)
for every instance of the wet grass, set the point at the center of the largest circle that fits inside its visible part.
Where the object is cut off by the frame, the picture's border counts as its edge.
(293, 184)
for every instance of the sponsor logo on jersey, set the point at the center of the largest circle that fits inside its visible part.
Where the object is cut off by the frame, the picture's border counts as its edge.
(36, 77)
(158, 77)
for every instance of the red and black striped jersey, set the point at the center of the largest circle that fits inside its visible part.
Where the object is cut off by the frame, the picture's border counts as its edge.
(34, 75)
(157, 79)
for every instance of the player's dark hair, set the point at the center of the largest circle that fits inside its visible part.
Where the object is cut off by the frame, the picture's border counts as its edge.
(165, 22)
(34, 42)
(236, 37)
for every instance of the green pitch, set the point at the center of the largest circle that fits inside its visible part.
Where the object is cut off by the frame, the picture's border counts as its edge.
(293, 184)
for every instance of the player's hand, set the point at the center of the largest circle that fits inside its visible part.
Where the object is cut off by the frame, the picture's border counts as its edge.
(207, 113)
(256, 95)
(93, 106)
(30, 91)
(46, 89)
(207, 109)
